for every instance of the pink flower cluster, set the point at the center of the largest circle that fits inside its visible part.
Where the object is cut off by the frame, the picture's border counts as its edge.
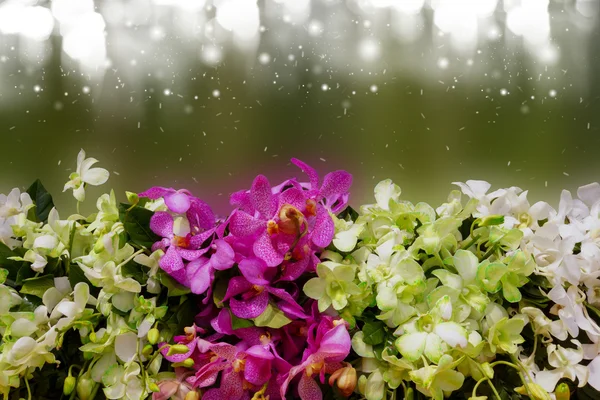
(272, 237)
(241, 363)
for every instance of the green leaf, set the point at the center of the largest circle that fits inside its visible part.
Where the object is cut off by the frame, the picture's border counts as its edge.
(174, 288)
(219, 290)
(237, 323)
(11, 266)
(76, 275)
(135, 271)
(3, 275)
(37, 286)
(349, 214)
(186, 313)
(374, 332)
(137, 224)
(272, 317)
(42, 199)
(24, 272)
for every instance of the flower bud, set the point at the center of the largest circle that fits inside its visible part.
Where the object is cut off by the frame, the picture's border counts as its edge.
(489, 371)
(69, 385)
(192, 396)
(93, 337)
(562, 392)
(346, 380)
(99, 245)
(132, 198)
(147, 350)
(409, 395)
(187, 363)
(153, 336)
(88, 355)
(85, 385)
(537, 392)
(153, 387)
(178, 349)
(490, 220)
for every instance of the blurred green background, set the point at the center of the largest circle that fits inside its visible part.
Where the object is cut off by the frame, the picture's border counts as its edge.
(172, 103)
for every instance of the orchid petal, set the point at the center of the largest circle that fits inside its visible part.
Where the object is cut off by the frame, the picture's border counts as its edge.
(178, 202)
(324, 229)
(313, 176)
(308, 389)
(171, 261)
(261, 197)
(199, 275)
(253, 270)
(155, 192)
(263, 248)
(161, 223)
(250, 308)
(243, 224)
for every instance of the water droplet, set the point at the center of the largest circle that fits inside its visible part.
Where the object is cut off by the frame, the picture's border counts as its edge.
(503, 92)
(264, 58)
(167, 92)
(552, 93)
(443, 63)
(85, 89)
(373, 88)
(216, 93)
(324, 87)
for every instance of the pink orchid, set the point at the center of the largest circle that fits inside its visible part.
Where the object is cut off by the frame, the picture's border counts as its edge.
(290, 222)
(201, 272)
(329, 346)
(177, 248)
(333, 193)
(244, 369)
(175, 388)
(248, 298)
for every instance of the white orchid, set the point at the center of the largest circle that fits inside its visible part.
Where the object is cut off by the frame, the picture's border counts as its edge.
(566, 365)
(85, 174)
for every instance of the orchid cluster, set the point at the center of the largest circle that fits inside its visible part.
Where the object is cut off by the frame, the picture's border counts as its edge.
(294, 294)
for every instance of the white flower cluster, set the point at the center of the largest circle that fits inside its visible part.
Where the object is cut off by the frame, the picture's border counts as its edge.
(565, 244)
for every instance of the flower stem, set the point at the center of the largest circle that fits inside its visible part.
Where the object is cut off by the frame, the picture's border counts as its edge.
(471, 242)
(166, 346)
(489, 381)
(479, 382)
(131, 257)
(28, 388)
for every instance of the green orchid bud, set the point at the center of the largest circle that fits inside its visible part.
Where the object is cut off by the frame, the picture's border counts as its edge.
(85, 385)
(93, 337)
(562, 392)
(132, 198)
(490, 220)
(153, 387)
(69, 385)
(192, 396)
(153, 336)
(489, 371)
(409, 395)
(178, 349)
(88, 355)
(187, 363)
(147, 350)
(99, 245)
(537, 392)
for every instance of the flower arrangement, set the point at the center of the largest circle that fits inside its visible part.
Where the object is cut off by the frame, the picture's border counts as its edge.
(296, 295)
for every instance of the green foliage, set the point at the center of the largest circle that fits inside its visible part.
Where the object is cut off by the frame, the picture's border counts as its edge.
(42, 199)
